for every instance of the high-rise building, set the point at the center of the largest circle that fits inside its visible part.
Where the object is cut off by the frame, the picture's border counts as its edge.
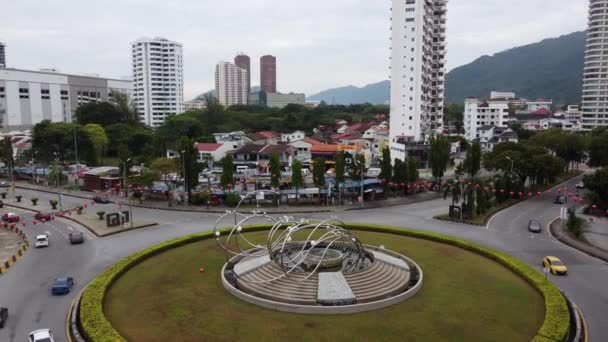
(158, 79)
(231, 84)
(242, 61)
(595, 92)
(29, 97)
(418, 50)
(2, 55)
(268, 73)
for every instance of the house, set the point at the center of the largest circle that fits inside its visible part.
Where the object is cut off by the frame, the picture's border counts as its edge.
(247, 153)
(324, 151)
(266, 137)
(285, 152)
(239, 138)
(499, 136)
(209, 152)
(295, 136)
(101, 178)
(301, 150)
(260, 154)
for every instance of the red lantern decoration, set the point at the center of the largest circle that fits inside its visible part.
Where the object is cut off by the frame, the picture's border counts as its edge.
(594, 206)
(92, 202)
(520, 194)
(34, 222)
(86, 205)
(476, 186)
(502, 191)
(130, 186)
(23, 224)
(529, 194)
(43, 221)
(539, 194)
(402, 185)
(512, 193)
(494, 190)
(229, 186)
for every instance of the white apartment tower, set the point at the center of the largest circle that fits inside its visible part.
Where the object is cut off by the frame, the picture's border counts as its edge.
(158, 79)
(2, 55)
(595, 79)
(231, 84)
(418, 50)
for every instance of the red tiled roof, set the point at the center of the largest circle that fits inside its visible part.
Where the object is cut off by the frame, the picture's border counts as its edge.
(312, 141)
(267, 135)
(206, 147)
(324, 148)
(346, 136)
(275, 149)
(542, 111)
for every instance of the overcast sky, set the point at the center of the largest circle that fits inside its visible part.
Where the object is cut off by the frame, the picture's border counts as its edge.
(319, 44)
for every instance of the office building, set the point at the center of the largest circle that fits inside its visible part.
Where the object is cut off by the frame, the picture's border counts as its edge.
(595, 76)
(268, 73)
(231, 84)
(244, 62)
(418, 57)
(2, 55)
(278, 100)
(29, 97)
(158, 79)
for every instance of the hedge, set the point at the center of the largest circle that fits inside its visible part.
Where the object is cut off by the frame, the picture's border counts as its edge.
(97, 328)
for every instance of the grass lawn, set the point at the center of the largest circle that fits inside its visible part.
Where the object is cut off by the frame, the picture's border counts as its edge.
(465, 297)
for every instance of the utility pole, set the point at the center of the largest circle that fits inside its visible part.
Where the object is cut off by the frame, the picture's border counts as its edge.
(76, 151)
(361, 167)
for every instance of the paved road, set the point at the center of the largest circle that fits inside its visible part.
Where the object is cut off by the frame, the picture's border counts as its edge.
(26, 286)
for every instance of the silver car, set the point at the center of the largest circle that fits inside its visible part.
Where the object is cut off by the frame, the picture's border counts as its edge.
(535, 227)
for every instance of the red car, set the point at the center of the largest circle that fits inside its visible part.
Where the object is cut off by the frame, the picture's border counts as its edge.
(10, 217)
(42, 216)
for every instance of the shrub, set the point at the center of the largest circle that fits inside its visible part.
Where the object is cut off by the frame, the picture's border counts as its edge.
(232, 200)
(575, 224)
(201, 198)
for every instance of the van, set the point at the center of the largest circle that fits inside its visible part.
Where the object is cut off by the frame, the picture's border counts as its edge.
(241, 169)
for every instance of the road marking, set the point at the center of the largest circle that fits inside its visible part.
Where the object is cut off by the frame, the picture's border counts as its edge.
(584, 320)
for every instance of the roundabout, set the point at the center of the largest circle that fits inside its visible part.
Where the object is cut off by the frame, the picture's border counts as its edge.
(469, 293)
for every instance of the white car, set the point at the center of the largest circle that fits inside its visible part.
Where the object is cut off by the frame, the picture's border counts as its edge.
(42, 241)
(42, 335)
(580, 185)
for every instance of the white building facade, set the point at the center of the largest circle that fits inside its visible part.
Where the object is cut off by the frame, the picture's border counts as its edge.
(231, 84)
(158, 79)
(595, 76)
(477, 114)
(418, 57)
(2, 55)
(28, 97)
(278, 100)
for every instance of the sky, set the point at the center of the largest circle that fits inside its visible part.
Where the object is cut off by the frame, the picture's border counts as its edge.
(319, 44)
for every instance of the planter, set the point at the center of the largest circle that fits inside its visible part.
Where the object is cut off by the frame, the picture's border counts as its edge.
(18, 198)
(53, 204)
(3, 195)
(34, 201)
(101, 214)
(79, 210)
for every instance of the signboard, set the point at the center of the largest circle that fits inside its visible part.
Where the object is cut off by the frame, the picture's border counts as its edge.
(260, 196)
(116, 219)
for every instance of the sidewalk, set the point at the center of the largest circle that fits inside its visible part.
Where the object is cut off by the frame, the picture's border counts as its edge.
(564, 236)
(596, 231)
(282, 209)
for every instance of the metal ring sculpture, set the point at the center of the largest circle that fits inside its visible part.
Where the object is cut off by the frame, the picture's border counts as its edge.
(290, 255)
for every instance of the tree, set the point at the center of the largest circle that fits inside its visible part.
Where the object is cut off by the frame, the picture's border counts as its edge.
(386, 168)
(597, 183)
(472, 162)
(296, 177)
(598, 153)
(275, 171)
(177, 126)
(188, 156)
(102, 113)
(227, 171)
(99, 140)
(164, 166)
(318, 172)
(49, 138)
(126, 107)
(340, 171)
(412, 170)
(439, 156)
(400, 173)
(7, 154)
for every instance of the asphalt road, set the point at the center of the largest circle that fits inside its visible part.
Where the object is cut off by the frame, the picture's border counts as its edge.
(25, 289)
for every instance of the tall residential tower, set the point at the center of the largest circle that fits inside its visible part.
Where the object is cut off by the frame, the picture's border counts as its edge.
(268, 73)
(2, 55)
(418, 50)
(242, 61)
(158, 79)
(595, 79)
(231, 84)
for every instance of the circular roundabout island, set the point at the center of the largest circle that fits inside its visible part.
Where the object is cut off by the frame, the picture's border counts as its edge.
(327, 281)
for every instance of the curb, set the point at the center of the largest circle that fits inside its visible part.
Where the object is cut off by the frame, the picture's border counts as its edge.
(392, 205)
(13, 259)
(590, 250)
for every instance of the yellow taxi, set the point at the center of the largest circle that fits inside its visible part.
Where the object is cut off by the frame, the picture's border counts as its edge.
(554, 265)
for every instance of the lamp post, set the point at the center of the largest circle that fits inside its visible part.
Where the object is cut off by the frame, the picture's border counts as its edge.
(185, 178)
(511, 160)
(58, 179)
(127, 192)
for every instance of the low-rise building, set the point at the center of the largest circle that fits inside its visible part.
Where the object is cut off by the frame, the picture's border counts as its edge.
(29, 97)
(478, 114)
(195, 105)
(295, 136)
(213, 152)
(239, 138)
(278, 100)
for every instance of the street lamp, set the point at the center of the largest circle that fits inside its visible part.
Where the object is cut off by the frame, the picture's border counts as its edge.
(184, 172)
(511, 160)
(127, 193)
(58, 179)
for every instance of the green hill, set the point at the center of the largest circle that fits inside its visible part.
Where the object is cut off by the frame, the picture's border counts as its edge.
(550, 69)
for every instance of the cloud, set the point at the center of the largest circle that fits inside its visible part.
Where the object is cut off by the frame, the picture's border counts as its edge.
(319, 44)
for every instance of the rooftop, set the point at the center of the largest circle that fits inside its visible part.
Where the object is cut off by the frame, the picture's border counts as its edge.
(207, 147)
